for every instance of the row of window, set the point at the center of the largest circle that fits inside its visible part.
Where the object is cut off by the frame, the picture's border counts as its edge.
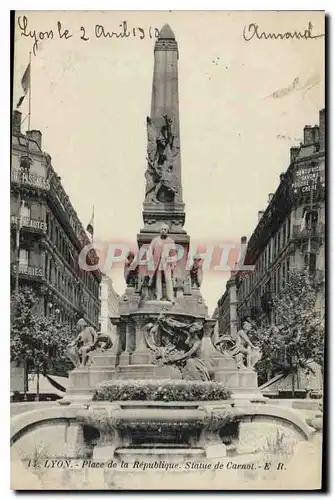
(273, 286)
(277, 281)
(309, 221)
(62, 243)
(58, 238)
(274, 246)
(92, 309)
(278, 278)
(69, 288)
(65, 284)
(268, 256)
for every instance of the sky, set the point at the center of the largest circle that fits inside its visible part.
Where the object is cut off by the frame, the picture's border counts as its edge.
(243, 104)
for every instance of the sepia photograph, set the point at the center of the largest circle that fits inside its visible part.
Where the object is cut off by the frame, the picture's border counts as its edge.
(167, 250)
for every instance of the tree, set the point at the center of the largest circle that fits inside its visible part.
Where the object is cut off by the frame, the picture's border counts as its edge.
(298, 333)
(36, 340)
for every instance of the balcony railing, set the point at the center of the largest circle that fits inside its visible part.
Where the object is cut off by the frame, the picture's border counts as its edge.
(304, 233)
(41, 226)
(27, 270)
(30, 179)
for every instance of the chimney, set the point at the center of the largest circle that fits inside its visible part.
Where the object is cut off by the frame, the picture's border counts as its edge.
(282, 177)
(243, 240)
(322, 126)
(293, 153)
(16, 123)
(316, 133)
(260, 214)
(270, 196)
(309, 135)
(35, 135)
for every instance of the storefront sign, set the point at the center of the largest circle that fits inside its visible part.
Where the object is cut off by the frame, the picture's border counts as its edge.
(28, 222)
(31, 179)
(33, 271)
(309, 177)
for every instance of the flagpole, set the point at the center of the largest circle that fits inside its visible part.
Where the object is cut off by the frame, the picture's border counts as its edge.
(29, 98)
(20, 201)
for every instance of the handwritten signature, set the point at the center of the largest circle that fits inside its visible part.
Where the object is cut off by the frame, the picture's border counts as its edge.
(99, 31)
(253, 31)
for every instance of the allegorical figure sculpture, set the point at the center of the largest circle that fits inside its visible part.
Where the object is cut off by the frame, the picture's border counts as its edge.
(178, 344)
(79, 349)
(240, 347)
(161, 153)
(195, 368)
(87, 340)
(161, 248)
(196, 273)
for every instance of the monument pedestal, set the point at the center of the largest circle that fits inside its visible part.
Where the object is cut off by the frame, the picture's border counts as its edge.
(79, 389)
(102, 368)
(241, 382)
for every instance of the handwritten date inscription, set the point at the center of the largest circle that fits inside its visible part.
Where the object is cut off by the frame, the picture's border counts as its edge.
(99, 32)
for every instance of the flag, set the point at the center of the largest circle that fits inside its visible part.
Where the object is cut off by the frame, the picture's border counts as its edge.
(90, 225)
(25, 84)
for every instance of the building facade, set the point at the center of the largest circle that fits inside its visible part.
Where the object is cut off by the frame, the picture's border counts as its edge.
(290, 234)
(109, 307)
(47, 235)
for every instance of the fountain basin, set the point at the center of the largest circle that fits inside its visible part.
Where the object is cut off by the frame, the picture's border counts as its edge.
(171, 430)
(158, 425)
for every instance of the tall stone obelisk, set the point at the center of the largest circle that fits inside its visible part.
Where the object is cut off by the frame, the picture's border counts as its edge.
(163, 201)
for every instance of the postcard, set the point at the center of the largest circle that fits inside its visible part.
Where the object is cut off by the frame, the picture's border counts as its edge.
(167, 220)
